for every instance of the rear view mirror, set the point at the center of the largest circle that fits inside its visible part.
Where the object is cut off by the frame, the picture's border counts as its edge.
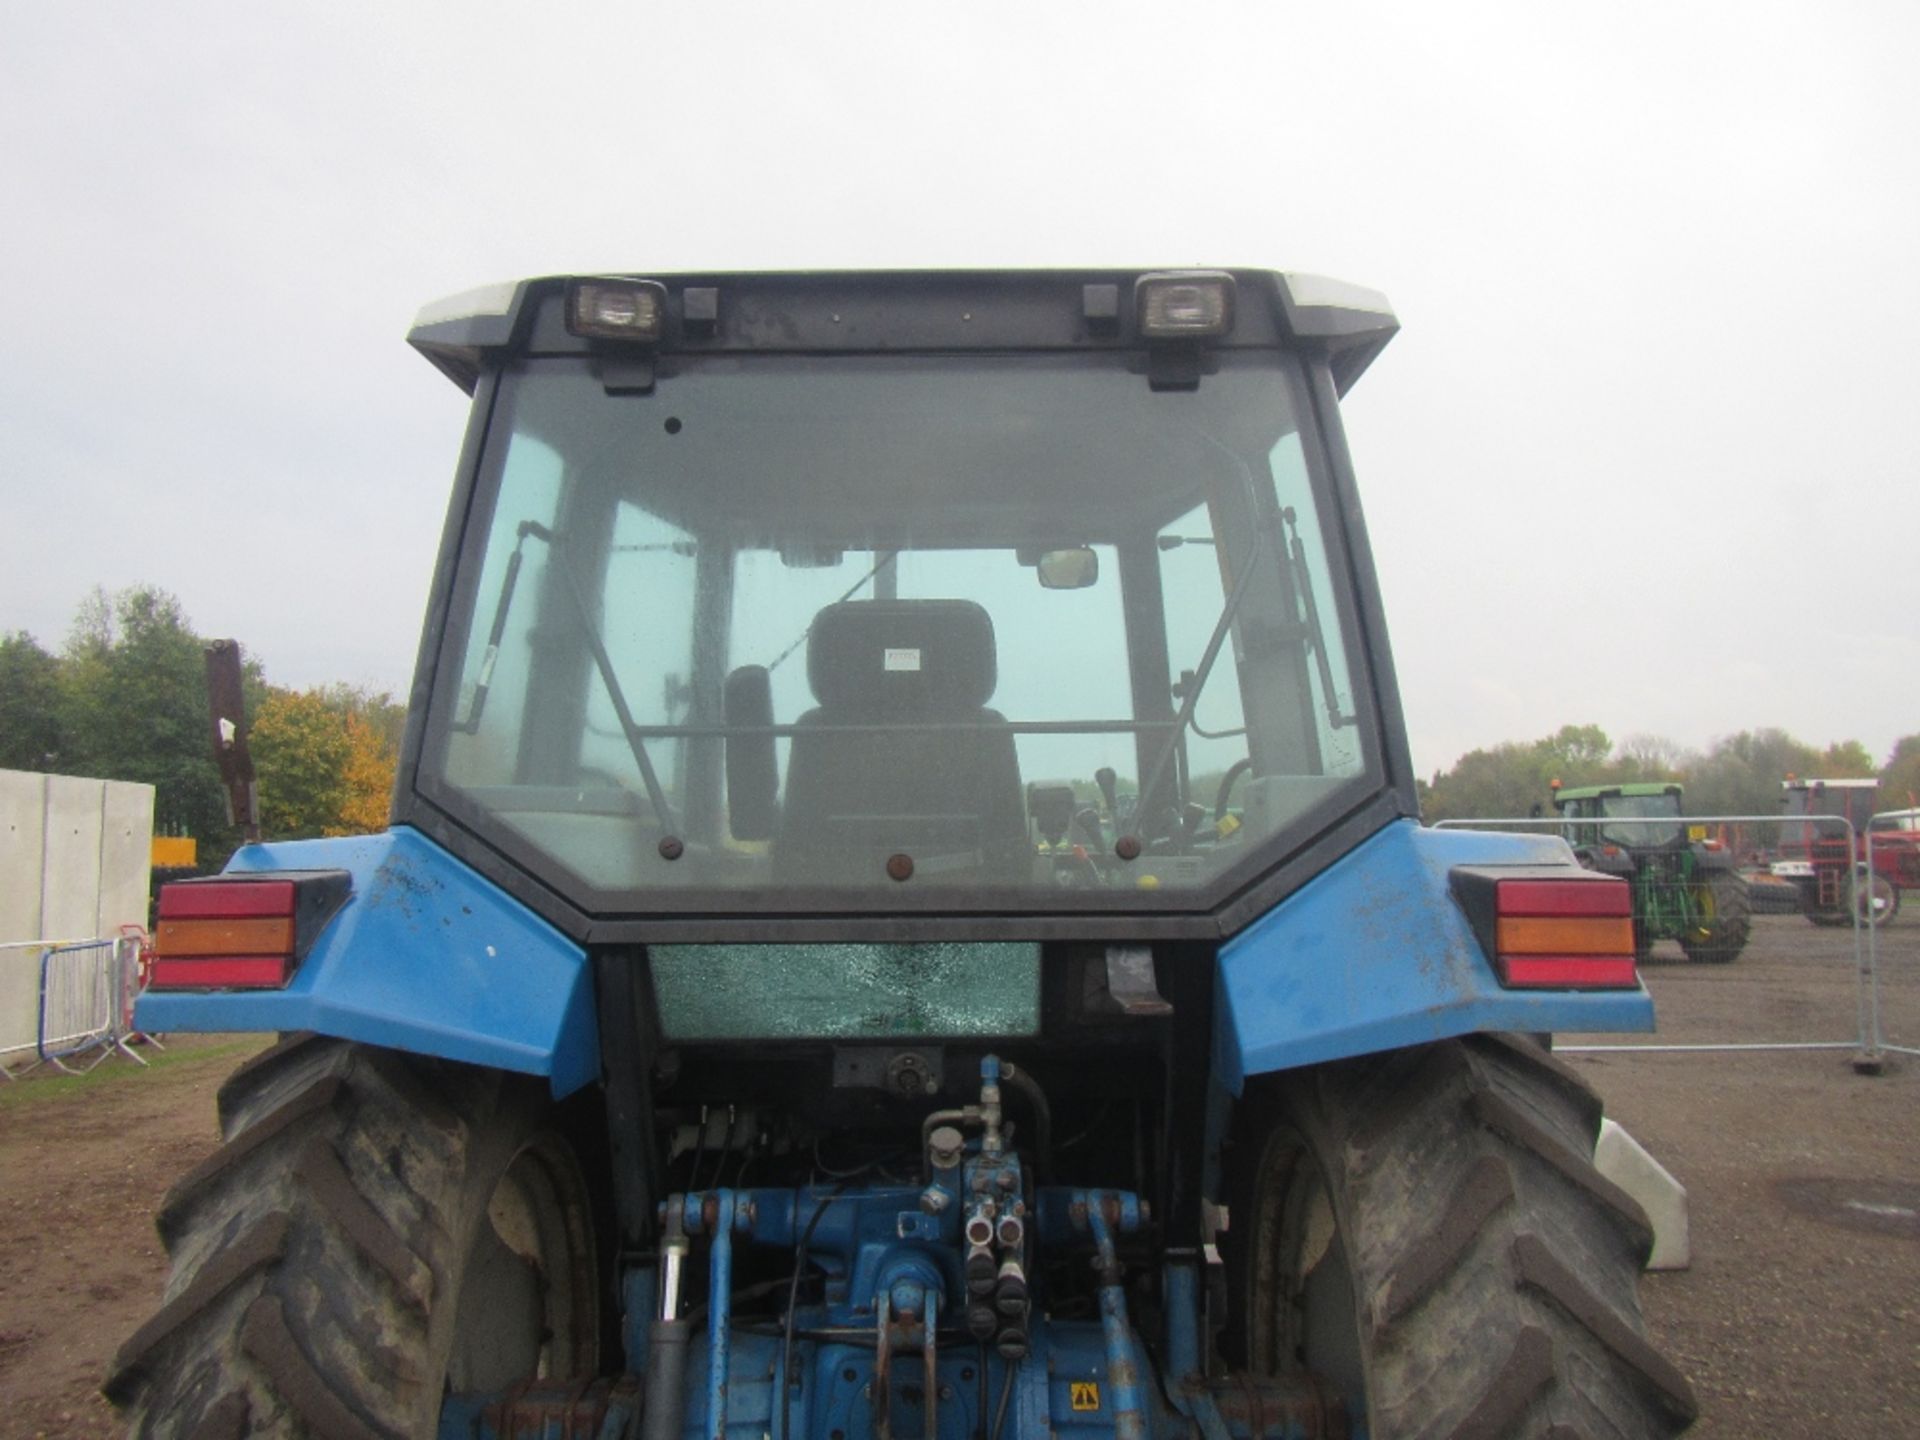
(1074, 569)
(800, 556)
(753, 777)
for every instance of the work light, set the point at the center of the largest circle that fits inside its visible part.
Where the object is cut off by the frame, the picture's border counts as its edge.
(617, 309)
(1184, 305)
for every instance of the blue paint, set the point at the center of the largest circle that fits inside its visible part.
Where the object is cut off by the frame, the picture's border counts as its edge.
(883, 1272)
(1063, 1213)
(753, 1395)
(1180, 1285)
(427, 957)
(1123, 1367)
(1374, 954)
(719, 1314)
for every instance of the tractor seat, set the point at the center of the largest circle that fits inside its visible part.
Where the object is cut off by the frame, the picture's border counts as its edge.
(937, 779)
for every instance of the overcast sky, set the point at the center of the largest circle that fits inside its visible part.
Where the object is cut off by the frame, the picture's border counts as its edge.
(1643, 455)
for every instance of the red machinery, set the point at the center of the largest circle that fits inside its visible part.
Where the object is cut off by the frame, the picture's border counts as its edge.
(1831, 867)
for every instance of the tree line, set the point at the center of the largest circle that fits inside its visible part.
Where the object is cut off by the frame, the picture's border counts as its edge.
(1736, 775)
(126, 699)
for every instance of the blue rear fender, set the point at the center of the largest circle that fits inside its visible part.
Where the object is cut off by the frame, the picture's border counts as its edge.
(1375, 954)
(427, 956)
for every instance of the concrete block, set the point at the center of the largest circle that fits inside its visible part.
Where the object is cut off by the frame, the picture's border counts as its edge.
(70, 877)
(23, 806)
(23, 819)
(126, 855)
(1625, 1162)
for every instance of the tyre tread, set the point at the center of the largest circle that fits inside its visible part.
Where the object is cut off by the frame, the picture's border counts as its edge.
(1493, 1268)
(1508, 1121)
(1539, 1268)
(259, 1071)
(252, 1253)
(316, 1254)
(268, 1339)
(1512, 1392)
(333, 1190)
(1437, 1253)
(226, 1419)
(186, 1193)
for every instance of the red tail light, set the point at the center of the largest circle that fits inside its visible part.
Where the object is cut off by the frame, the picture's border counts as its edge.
(1551, 927)
(1564, 934)
(241, 933)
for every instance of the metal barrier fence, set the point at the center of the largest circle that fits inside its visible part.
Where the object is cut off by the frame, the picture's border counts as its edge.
(84, 1002)
(1693, 896)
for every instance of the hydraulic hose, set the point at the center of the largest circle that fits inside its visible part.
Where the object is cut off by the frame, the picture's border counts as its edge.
(1036, 1100)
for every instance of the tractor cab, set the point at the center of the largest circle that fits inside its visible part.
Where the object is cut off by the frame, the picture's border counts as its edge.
(1851, 800)
(748, 619)
(1618, 819)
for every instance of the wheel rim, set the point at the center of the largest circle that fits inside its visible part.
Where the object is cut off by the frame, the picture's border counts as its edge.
(528, 1306)
(1873, 898)
(1303, 1316)
(1708, 912)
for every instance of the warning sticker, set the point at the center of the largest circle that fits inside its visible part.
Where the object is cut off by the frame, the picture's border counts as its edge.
(1084, 1394)
(901, 659)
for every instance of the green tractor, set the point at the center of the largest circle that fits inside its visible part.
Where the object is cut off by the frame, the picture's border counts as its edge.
(1685, 886)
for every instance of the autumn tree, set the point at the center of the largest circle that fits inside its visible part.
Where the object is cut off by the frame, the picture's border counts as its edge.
(325, 761)
(373, 725)
(387, 720)
(300, 752)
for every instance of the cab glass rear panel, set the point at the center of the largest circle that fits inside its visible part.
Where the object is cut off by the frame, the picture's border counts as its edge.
(863, 541)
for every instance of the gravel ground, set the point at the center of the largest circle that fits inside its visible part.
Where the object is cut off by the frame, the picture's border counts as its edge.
(1799, 1318)
(1800, 1315)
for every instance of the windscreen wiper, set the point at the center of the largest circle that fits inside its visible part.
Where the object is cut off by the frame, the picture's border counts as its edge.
(532, 529)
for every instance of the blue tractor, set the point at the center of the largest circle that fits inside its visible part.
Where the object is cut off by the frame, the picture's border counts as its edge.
(905, 915)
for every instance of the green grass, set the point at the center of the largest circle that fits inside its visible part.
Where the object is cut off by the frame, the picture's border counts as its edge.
(49, 1084)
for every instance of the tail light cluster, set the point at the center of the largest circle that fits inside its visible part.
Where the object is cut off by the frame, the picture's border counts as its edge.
(242, 932)
(1552, 929)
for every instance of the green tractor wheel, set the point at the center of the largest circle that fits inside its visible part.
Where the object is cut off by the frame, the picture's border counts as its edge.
(1723, 917)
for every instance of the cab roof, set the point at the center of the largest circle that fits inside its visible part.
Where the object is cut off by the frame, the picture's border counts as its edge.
(906, 311)
(1608, 792)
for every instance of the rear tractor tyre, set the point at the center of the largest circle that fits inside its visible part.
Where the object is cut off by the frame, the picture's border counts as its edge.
(1424, 1230)
(1725, 910)
(378, 1230)
(1875, 897)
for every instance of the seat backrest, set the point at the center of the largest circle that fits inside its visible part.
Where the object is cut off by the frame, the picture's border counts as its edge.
(927, 769)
